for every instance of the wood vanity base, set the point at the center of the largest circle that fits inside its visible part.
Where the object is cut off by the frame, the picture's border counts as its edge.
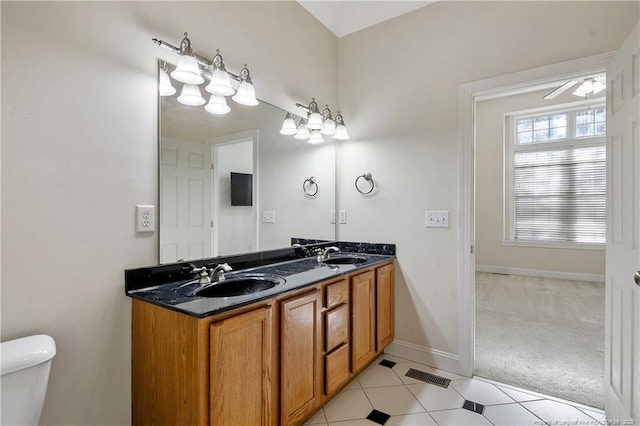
(273, 362)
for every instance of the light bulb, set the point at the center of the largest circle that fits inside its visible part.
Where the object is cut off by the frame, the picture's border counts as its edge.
(220, 83)
(246, 94)
(191, 95)
(341, 133)
(289, 127)
(217, 105)
(164, 86)
(303, 133)
(187, 71)
(315, 138)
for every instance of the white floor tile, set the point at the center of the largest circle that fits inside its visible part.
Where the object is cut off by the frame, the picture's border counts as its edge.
(393, 400)
(355, 384)
(377, 375)
(401, 369)
(317, 419)
(459, 417)
(510, 415)
(519, 396)
(422, 419)
(552, 411)
(350, 404)
(433, 397)
(481, 392)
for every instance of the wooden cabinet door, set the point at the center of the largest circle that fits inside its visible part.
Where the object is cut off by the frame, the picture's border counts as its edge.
(242, 367)
(384, 306)
(363, 325)
(300, 357)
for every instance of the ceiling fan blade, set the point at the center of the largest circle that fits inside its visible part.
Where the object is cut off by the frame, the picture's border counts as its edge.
(566, 86)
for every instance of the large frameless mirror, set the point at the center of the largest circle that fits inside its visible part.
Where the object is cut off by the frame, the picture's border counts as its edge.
(233, 184)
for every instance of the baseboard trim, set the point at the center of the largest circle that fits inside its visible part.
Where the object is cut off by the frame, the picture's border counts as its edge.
(540, 273)
(424, 355)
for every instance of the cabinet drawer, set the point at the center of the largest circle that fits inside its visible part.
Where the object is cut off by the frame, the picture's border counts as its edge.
(337, 327)
(337, 293)
(336, 369)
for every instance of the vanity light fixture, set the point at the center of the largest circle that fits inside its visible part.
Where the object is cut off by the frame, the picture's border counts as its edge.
(220, 83)
(341, 130)
(164, 85)
(191, 95)
(246, 94)
(217, 105)
(289, 127)
(187, 70)
(303, 133)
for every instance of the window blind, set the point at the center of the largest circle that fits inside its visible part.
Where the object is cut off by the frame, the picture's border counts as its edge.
(560, 195)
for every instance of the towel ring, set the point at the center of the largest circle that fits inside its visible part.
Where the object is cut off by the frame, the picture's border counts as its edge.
(308, 189)
(368, 178)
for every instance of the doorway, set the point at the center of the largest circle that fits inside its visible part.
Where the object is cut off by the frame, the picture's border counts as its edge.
(470, 94)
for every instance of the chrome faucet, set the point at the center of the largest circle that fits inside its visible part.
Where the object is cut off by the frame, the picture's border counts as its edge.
(202, 274)
(217, 273)
(325, 252)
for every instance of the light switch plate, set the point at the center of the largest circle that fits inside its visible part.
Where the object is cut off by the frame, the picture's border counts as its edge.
(145, 218)
(268, 216)
(343, 216)
(436, 219)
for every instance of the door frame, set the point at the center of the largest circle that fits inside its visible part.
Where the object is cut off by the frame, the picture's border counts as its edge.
(468, 94)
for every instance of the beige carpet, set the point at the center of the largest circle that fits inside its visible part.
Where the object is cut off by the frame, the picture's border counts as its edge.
(546, 335)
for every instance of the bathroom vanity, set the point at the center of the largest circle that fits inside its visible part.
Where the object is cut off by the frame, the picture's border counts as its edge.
(266, 358)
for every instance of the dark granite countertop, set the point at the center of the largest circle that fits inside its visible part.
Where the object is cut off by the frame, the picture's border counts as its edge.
(298, 273)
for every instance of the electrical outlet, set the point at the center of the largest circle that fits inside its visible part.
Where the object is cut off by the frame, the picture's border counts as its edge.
(145, 218)
(268, 217)
(343, 216)
(332, 215)
(435, 219)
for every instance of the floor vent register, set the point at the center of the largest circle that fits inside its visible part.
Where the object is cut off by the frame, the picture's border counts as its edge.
(428, 378)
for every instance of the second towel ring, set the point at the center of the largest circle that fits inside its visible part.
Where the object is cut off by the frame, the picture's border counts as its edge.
(368, 178)
(308, 189)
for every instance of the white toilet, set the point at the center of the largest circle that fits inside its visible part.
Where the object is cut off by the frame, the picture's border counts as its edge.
(25, 365)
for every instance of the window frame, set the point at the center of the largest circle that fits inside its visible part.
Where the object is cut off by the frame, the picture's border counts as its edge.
(511, 147)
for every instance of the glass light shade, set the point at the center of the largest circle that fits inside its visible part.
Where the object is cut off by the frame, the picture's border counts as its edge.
(315, 121)
(315, 138)
(165, 87)
(587, 86)
(341, 133)
(289, 127)
(246, 94)
(187, 71)
(328, 127)
(303, 133)
(598, 87)
(191, 95)
(220, 84)
(217, 105)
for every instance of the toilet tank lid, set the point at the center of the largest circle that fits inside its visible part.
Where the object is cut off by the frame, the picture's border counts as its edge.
(26, 352)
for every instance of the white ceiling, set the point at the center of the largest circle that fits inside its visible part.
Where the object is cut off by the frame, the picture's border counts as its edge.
(346, 17)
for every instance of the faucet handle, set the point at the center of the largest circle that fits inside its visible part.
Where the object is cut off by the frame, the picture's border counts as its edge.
(202, 274)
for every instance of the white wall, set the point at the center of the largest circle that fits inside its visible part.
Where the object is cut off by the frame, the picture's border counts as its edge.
(490, 148)
(399, 92)
(79, 151)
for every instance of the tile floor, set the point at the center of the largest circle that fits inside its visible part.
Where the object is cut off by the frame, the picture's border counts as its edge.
(384, 395)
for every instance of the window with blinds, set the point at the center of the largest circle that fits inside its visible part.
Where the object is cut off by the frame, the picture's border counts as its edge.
(559, 177)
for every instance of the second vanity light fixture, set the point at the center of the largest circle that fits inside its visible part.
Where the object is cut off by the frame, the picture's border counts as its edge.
(188, 72)
(317, 124)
